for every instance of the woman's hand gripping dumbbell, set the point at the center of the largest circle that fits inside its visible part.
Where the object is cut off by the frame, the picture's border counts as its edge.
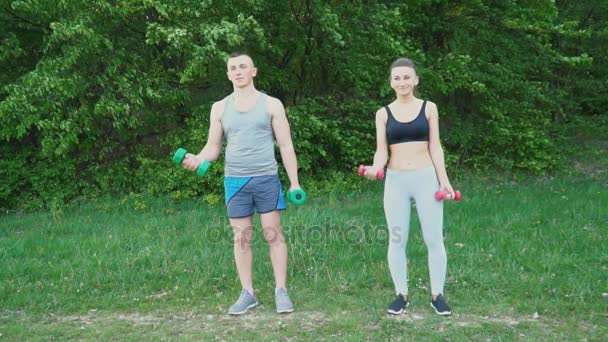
(440, 195)
(190, 162)
(363, 172)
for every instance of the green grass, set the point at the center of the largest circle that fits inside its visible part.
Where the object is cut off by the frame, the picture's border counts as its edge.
(527, 260)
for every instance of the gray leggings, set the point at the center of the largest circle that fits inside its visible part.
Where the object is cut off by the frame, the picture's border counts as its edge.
(400, 187)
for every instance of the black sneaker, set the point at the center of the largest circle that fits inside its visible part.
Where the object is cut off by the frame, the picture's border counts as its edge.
(441, 307)
(398, 306)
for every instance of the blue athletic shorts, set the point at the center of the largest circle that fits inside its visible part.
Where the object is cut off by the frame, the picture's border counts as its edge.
(247, 195)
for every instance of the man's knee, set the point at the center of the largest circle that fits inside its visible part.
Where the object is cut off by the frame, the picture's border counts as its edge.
(242, 236)
(273, 235)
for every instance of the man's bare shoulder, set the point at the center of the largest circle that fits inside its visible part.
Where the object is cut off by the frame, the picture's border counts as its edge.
(217, 109)
(221, 103)
(273, 101)
(275, 106)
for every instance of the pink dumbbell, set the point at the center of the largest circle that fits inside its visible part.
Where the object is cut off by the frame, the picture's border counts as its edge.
(379, 173)
(442, 194)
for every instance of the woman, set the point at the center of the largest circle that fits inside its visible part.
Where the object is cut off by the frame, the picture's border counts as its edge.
(409, 128)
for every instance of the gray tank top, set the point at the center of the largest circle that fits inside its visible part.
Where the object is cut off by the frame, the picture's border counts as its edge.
(250, 140)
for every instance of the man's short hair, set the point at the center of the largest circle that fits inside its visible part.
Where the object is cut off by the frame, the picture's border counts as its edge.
(238, 54)
(241, 53)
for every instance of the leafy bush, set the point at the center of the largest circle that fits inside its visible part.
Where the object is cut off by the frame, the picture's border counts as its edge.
(94, 97)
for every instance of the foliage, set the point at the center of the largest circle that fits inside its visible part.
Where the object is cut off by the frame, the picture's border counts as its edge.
(581, 80)
(95, 95)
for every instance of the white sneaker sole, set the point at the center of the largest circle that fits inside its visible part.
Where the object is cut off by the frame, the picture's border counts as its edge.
(445, 313)
(242, 312)
(392, 312)
(396, 312)
(285, 311)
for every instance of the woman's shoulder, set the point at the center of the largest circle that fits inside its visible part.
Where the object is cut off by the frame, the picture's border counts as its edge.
(428, 103)
(382, 113)
(430, 109)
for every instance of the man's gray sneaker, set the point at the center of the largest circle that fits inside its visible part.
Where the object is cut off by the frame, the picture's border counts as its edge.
(284, 304)
(244, 303)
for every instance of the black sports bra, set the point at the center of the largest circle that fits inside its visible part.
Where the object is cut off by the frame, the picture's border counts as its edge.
(400, 132)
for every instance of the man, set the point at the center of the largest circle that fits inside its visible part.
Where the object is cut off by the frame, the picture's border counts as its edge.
(251, 121)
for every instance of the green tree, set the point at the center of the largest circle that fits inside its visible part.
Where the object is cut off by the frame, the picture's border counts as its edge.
(95, 95)
(582, 80)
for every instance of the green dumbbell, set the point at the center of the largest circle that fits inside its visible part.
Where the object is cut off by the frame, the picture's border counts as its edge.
(179, 156)
(297, 196)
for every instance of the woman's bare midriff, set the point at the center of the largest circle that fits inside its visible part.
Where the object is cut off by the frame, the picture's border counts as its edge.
(410, 156)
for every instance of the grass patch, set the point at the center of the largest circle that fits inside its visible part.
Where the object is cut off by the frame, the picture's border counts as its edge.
(526, 260)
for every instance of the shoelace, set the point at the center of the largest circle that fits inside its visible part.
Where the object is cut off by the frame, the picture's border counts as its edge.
(282, 297)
